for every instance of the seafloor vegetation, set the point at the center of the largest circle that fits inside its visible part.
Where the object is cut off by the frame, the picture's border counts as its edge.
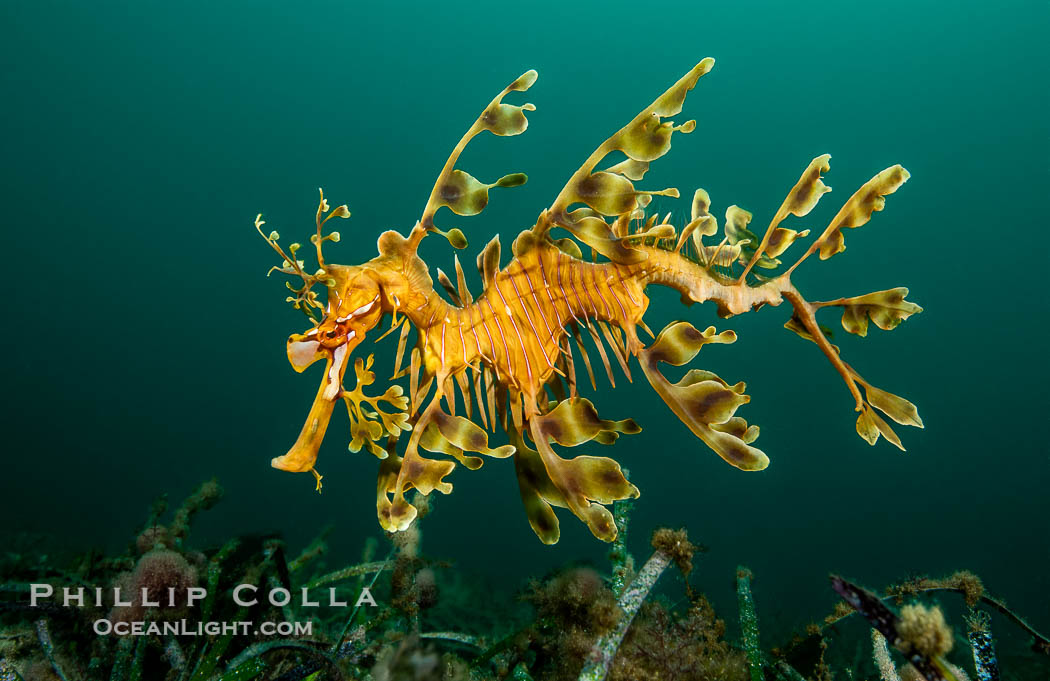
(584, 622)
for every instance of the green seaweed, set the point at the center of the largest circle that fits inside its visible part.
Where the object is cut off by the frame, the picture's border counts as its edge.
(583, 624)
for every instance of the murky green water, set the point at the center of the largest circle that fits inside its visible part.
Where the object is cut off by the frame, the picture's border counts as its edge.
(145, 347)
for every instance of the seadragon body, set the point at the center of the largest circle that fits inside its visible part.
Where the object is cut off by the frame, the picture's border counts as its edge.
(507, 355)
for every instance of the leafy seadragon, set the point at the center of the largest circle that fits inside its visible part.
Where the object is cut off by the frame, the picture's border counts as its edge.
(509, 353)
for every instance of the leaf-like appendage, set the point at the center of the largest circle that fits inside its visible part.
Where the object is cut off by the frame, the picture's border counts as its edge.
(886, 308)
(598, 234)
(796, 326)
(512, 180)
(506, 119)
(737, 220)
(799, 202)
(701, 224)
(397, 476)
(703, 401)
(468, 436)
(679, 342)
(523, 82)
(781, 239)
(809, 188)
(701, 206)
(870, 425)
(607, 193)
(538, 492)
(569, 247)
(670, 103)
(463, 194)
(646, 138)
(363, 411)
(712, 402)
(631, 169)
(459, 191)
(859, 208)
(585, 483)
(738, 428)
(433, 441)
(582, 484)
(574, 422)
(897, 408)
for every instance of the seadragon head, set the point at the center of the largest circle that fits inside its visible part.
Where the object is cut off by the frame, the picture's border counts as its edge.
(354, 306)
(353, 309)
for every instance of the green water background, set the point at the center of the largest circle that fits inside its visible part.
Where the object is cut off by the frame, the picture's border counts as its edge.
(145, 349)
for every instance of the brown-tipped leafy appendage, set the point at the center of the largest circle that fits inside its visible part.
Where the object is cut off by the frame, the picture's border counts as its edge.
(507, 357)
(886, 308)
(458, 190)
(703, 401)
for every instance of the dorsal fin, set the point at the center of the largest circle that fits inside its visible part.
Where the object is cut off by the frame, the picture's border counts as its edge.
(488, 261)
(464, 293)
(449, 288)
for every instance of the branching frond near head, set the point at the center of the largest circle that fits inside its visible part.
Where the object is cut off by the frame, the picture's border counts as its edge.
(305, 298)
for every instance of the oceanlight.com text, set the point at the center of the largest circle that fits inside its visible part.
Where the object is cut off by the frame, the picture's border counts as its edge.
(105, 627)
